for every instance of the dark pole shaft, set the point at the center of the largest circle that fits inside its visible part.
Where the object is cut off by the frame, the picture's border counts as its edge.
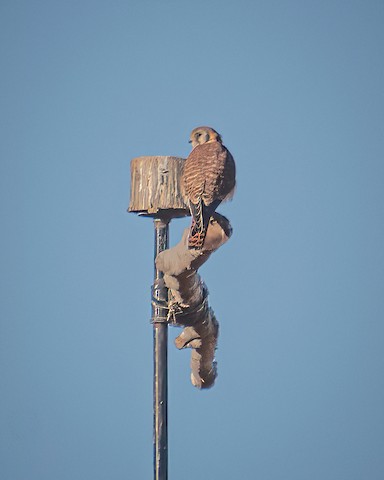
(160, 354)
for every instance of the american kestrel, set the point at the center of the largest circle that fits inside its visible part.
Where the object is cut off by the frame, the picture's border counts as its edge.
(209, 178)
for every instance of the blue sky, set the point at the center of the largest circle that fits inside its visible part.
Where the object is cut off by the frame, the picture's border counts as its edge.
(296, 90)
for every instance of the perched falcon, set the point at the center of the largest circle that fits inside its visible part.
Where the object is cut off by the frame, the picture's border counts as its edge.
(209, 178)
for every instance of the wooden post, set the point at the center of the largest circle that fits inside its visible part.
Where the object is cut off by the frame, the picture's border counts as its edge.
(156, 188)
(156, 192)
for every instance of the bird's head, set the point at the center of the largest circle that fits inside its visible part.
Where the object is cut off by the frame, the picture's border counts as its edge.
(202, 135)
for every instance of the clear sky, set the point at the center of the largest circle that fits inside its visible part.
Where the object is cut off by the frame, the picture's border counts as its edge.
(296, 88)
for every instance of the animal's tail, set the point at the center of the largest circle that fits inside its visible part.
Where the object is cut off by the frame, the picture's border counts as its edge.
(200, 220)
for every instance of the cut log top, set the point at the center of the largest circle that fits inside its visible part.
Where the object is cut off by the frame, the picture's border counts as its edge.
(156, 188)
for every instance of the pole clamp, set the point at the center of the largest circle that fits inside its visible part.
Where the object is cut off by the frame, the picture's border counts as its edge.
(159, 302)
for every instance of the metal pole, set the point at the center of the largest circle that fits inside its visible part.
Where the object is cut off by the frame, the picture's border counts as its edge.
(160, 354)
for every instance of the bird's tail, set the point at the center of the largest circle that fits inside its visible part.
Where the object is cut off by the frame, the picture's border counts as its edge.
(200, 220)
